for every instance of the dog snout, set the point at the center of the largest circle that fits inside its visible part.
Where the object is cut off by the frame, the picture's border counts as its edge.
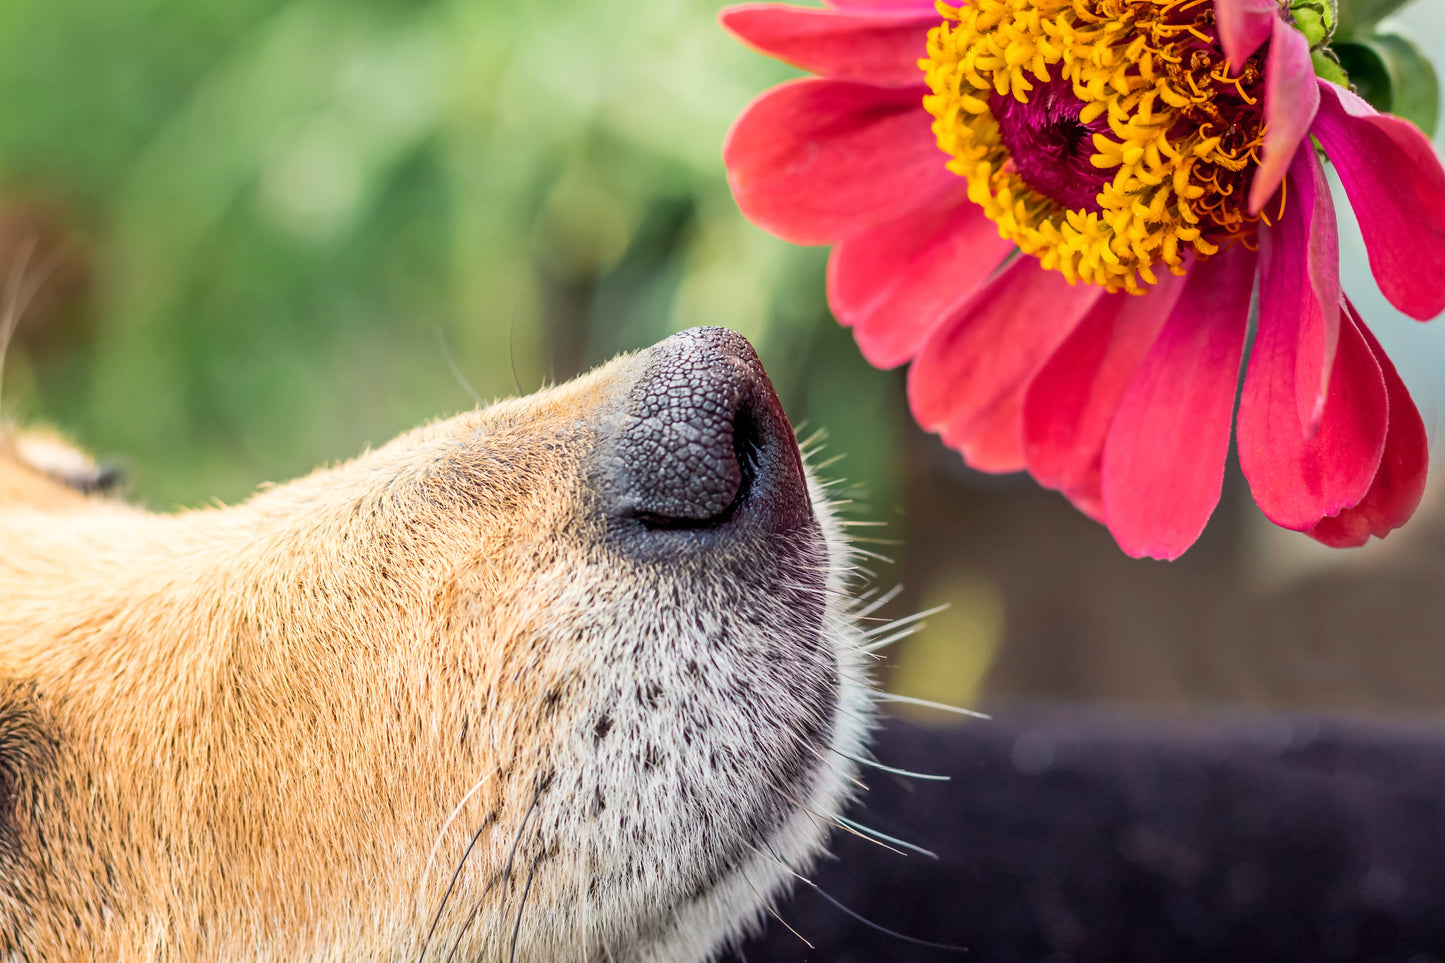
(704, 442)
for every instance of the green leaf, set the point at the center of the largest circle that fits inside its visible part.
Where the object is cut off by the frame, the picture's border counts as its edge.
(1390, 72)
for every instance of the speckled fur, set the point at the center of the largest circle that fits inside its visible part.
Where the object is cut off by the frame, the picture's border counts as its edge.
(239, 733)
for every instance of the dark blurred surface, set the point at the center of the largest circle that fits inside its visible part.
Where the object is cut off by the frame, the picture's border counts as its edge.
(1084, 838)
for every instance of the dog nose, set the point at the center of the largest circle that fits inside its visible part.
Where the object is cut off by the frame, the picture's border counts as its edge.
(704, 441)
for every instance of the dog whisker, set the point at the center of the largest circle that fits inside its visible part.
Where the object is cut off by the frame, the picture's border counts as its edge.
(504, 877)
(782, 863)
(18, 295)
(868, 604)
(820, 820)
(879, 644)
(851, 831)
(874, 764)
(446, 896)
(930, 704)
(812, 444)
(436, 846)
(456, 371)
(854, 828)
(517, 928)
(868, 830)
(772, 910)
(906, 620)
(950, 947)
(808, 743)
(860, 540)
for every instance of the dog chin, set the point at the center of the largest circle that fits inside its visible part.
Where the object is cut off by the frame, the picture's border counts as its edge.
(781, 857)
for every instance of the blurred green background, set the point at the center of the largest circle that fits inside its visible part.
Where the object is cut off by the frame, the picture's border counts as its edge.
(272, 233)
(292, 220)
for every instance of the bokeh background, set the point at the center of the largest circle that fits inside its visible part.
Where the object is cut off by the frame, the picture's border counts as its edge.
(272, 232)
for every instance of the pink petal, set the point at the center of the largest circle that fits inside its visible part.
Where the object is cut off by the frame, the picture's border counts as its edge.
(1400, 481)
(1087, 500)
(814, 160)
(879, 48)
(1296, 480)
(1243, 25)
(1291, 97)
(1397, 190)
(893, 283)
(970, 376)
(1164, 458)
(1299, 280)
(1072, 399)
(995, 441)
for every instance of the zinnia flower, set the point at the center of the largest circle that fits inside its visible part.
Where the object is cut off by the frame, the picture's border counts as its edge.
(1151, 159)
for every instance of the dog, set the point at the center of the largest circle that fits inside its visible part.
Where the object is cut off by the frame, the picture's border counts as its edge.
(573, 677)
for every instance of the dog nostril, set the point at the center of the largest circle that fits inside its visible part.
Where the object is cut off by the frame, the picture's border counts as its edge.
(747, 451)
(697, 500)
(704, 437)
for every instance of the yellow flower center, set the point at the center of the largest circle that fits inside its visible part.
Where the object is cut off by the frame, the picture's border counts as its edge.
(1105, 137)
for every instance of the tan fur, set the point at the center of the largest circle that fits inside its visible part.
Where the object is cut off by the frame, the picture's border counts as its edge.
(238, 733)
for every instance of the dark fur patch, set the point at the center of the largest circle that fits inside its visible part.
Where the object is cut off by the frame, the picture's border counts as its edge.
(27, 751)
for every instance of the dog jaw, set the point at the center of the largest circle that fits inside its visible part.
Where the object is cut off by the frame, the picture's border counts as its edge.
(421, 702)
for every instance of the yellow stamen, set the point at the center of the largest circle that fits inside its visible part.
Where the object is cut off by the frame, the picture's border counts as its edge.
(1176, 128)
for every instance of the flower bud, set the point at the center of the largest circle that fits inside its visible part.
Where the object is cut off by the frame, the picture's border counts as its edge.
(1315, 19)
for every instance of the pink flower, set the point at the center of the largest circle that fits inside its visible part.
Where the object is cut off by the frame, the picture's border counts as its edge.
(1152, 182)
